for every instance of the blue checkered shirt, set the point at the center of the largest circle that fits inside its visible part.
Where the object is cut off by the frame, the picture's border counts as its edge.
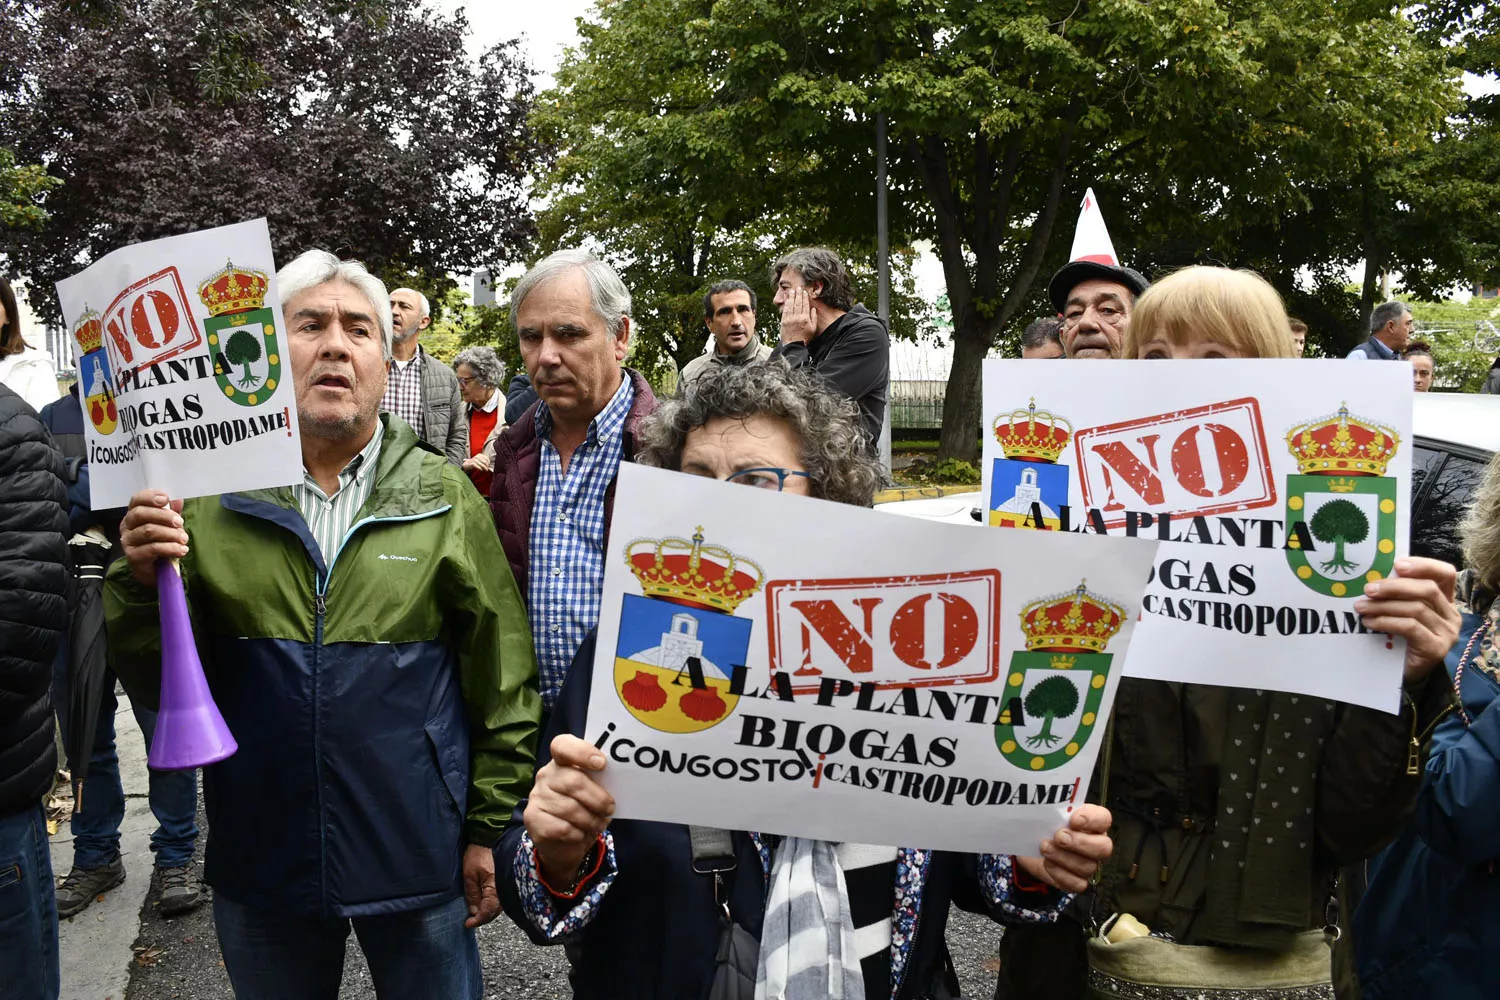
(567, 538)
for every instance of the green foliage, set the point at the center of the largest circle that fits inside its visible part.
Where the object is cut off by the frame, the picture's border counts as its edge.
(1465, 338)
(954, 470)
(21, 188)
(1292, 136)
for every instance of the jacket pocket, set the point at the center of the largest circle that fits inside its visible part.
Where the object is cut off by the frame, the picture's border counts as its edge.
(445, 757)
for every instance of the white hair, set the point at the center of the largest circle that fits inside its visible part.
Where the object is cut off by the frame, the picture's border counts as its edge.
(420, 298)
(318, 267)
(608, 296)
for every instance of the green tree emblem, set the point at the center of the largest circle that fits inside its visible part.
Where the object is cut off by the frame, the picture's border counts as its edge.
(1340, 522)
(1054, 698)
(243, 349)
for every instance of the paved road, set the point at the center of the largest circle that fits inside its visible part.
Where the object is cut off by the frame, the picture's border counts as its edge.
(122, 949)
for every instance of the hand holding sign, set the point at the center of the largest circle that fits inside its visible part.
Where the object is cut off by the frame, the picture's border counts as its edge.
(1416, 603)
(567, 809)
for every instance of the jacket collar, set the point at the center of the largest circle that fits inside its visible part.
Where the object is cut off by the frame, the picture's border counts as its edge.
(405, 484)
(743, 355)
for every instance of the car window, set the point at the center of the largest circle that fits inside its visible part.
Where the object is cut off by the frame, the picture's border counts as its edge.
(1425, 463)
(1445, 497)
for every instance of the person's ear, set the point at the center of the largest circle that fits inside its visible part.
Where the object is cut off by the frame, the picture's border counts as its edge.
(622, 339)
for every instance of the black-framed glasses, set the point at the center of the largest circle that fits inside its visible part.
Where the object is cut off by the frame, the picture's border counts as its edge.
(766, 478)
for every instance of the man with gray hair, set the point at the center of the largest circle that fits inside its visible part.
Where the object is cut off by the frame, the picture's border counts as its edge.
(1390, 330)
(421, 389)
(822, 327)
(555, 466)
(368, 649)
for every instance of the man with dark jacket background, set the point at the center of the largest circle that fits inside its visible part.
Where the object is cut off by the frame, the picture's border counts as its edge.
(555, 465)
(173, 795)
(33, 617)
(823, 327)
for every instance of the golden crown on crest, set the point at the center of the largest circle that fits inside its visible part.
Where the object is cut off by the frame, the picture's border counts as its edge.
(1342, 443)
(234, 290)
(692, 573)
(1032, 435)
(89, 331)
(1078, 622)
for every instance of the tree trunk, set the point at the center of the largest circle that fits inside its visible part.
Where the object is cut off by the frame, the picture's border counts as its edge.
(962, 403)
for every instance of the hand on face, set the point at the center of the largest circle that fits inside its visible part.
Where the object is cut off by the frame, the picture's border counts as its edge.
(1415, 603)
(1071, 856)
(152, 530)
(798, 324)
(568, 809)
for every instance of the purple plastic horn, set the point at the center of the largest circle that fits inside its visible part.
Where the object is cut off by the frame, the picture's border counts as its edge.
(190, 732)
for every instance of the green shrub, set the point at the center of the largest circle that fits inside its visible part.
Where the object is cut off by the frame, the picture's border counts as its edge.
(954, 470)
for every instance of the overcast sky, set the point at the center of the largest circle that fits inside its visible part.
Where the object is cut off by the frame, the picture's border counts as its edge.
(545, 27)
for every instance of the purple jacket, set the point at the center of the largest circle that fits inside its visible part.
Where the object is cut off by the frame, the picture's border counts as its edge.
(518, 463)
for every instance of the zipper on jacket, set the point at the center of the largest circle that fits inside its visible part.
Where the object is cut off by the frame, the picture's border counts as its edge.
(1414, 749)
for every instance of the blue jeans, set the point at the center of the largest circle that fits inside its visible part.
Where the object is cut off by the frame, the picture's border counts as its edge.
(173, 794)
(418, 953)
(28, 909)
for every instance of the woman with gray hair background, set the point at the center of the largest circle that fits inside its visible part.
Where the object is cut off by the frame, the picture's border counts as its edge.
(480, 374)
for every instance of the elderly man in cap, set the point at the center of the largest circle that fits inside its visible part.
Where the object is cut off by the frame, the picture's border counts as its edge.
(1093, 293)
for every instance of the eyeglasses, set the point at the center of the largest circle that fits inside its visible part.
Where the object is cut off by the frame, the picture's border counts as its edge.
(464, 381)
(763, 478)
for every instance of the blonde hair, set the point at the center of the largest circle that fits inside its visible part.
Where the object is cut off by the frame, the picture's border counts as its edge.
(1480, 530)
(1237, 309)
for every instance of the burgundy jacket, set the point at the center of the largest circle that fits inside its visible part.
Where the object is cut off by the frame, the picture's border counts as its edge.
(518, 464)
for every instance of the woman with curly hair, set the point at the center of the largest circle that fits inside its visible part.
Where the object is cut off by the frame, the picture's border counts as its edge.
(1427, 926)
(634, 898)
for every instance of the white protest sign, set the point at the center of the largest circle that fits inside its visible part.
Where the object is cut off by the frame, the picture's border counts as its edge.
(776, 663)
(182, 367)
(1279, 489)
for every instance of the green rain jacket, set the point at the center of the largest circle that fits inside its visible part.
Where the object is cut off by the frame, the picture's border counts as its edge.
(385, 704)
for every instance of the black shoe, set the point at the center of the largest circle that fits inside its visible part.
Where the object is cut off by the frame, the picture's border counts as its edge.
(181, 891)
(82, 886)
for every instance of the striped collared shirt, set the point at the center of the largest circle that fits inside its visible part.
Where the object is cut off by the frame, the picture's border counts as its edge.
(329, 517)
(567, 538)
(403, 392)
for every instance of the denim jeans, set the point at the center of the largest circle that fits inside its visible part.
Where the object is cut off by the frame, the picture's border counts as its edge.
(418, 953)
(173, 795)
(28, 909)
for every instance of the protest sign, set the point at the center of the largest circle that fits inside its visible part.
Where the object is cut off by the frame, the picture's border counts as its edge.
(852, 675)
(1278, 488)
(182, 367)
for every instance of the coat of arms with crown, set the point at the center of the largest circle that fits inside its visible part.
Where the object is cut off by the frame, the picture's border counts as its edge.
(241, 334)
(1059, 680)
(1027, 486)
(1345, 499)
(680, 657)
(96, 382)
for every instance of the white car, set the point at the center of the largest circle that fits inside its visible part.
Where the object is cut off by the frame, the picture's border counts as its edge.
(1455, 436)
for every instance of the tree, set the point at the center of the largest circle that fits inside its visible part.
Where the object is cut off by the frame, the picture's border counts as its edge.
(1212, 131)
(1340, 522)
(669, 181)
(1054, 698)
(360, 127)
(20, 188)
(243, 349)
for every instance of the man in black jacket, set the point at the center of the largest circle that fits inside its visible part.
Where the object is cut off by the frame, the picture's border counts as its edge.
(33, 615)
(823, 327)
(173, 795)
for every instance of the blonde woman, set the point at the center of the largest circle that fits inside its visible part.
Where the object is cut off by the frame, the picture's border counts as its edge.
(1192, 769)
(1428, 925)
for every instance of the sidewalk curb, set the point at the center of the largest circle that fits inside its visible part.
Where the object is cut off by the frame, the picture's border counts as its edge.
(923, 492)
